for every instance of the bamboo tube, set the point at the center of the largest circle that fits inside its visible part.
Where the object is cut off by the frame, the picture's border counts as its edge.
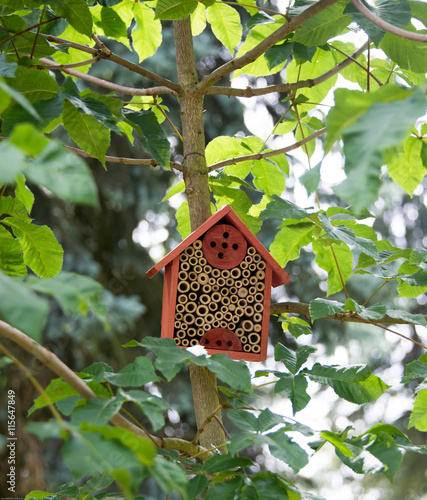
(231, 307)
(226, 301)
(205, 299)
(203, 278)
(219, 315)
(192, 276)
(209, 318)
(193, 261)
(231, 326)
(243, 264)
(203, 262)
(206, 288)
(243, 340)
(242, 292)
(239, 332)
(238, 284)
(225, 273)
(200, 332)
(179, 316)
(257, 317)
(190, 307)
(213, 306)
(260, 275)
(198, 269)
(233, 290)
(249, 259)
(260, 286)
(236, 318)
(216, 297)
(257, 257)
(253, 280)
(180, 334)
(249, 311)
(183, 257)
(191, 332)
(228, 316)
(261, 265)
(212, 281)
(250, 299)
(247, 347)
(189, 319)
(257, 328)
(200, 321)
(239, 311)
(202, 310)
(252, 251)
(258, 307)
(207, 327)
(216, 273)
(229, 282)
(245, 282)
(189, 251)
(216, 324)
(215, 288)
(183, 286)
(256, 349)
(177, 325)
(259, 297)
(177, 341)
(234, 299)
(195, 286)
(192, 296)
(220, 282)
(223, 324)
(182, 299)
(254, 338)
(185, 342)
(180, 308)
(225, 291)
(235, 273)
(185, 266)
(183, 275)
(252, 267)
(194, 342)
(206, 267)
(198, 254)
(247, 325)
(198, 244)
(246, 273)
(242, 303)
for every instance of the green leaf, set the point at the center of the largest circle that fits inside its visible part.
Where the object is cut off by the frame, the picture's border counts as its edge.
(64, 174)
(76, 12)
(175, 9)
(320, 308)
(34, 85)
(295, 389)
(408, 54)
(225, 24)
(22, 308)
(42, 253)
(91, 135)
(196, 486)
(13, 207)
(335, 439)
(414, 369)
(289, 241)
(407, 168)
(267, 420)
(353, 383)
(28, 138)
(183, 219)
(416, 319)
(244, 420)
(152, 136)
(97, 411)
(135, 374)
(283, 448)
(11, 259)
(152, 406)
(220, 463)
(20, 99)
(147, 33)
(320, 28)
(169, 476)
(279, 208)
(7, 69)
(311, 179)
(179, 187)
(275, 56)
(268, 177)
(327, 257)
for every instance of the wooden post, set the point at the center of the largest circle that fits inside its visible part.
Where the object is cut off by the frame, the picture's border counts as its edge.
(203, 382)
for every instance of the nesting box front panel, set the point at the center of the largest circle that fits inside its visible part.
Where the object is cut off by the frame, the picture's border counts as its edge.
(223, 295)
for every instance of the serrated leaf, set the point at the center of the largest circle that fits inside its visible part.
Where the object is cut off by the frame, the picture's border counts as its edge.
(408, 54)
(175, 9)
(311, 179)
(283, 448)
(135, 374)
(97, 411)
(11, 259)
(20, 99)
(76, 12)
(407, 169)
(151, 405)
(220, 463)
(169, 476)
(320, 308)
(289, 241)
(244, 420)
(414, 369)
(328, 257)
(295, 389)
(335, 440)
(418, 417)
(225, 24)
(268, 177)
(42, 253)
(147, 33)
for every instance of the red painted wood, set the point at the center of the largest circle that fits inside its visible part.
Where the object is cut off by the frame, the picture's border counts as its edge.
(224, 246)
(169, 298)
(227, 216)
(221, 339)
(266, 313)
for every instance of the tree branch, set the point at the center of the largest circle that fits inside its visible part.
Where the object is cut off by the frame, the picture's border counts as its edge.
(50, 360)
(409, 35)
(262, 47)
(109, 85)
(304, 310)
(124, 161)
(290, 87)
(268, 154)
(107, 54)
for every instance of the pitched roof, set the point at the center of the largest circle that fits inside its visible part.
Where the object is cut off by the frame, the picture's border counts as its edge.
(228, 216)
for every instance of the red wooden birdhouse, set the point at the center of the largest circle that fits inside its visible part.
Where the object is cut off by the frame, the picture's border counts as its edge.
(217, 289)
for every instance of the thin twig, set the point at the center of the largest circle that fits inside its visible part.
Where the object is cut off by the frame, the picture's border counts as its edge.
(409, 35)
(206, 423)
(3, 189)
(222, 426)
(167, 119)
(37, 32)
(267, 154)
(376, 291)
(29, 29)
(289, 87)
(66, 66)
(396, 333)
(238, 4)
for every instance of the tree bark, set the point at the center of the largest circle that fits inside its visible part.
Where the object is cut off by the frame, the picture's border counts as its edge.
(205, 396)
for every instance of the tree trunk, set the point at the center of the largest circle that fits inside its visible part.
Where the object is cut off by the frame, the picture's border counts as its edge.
(203, 382)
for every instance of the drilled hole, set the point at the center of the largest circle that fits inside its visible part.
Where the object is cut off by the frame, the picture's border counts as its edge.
(224, 245)
(219, 343)
(207, 341)
(235, 246)
(220, 255)
(229, 343)
(213, 244)
(225, 235)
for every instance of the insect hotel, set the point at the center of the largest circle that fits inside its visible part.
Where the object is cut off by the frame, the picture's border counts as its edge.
(217, 289)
